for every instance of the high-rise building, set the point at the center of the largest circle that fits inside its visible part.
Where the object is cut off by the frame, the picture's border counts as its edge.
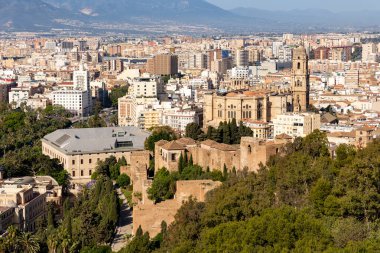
(82, 45)
(369, 52)
(241, 58)
(163, 64)
(77, 100)
(67, 46)
(300, 80)
(197, 61)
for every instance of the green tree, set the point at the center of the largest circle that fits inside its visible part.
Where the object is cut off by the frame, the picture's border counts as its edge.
(159, 133)
(163, 186)
(116, 93)
(123, 180)
(193, 131)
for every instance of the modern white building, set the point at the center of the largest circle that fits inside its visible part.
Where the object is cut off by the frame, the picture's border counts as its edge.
(296, 124)
(75, 101)
(179, 119)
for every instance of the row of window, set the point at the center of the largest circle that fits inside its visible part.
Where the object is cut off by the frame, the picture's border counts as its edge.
(82, 161)
(73, 174)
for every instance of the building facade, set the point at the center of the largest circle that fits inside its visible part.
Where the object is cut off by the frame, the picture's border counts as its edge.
(296, 124)
(300, 80)
(80, 150)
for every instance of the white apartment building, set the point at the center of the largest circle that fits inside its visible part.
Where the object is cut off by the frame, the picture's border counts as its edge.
(179, 119)
(296, 125)
(75, 101)
(200, 83)
(146, 87)
(239, 72)
(276, 45)
(18, 95)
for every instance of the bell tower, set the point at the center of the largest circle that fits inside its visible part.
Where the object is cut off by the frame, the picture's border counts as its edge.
(300, 80)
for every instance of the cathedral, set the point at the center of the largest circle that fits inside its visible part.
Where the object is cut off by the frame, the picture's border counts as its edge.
(263, 105)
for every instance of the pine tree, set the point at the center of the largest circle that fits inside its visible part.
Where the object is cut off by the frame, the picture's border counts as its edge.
(180, 163)
(185, 160)
(191, 162)
(235, 136)
(225, 171)
(226, 133)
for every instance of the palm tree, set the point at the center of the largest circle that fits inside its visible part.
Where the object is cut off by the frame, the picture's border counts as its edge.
(52, 242)
(28, 243)
(11, 240)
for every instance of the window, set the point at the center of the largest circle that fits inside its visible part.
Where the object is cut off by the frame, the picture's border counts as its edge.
(173, 157)
(89, 160)
(249, 149)
(299, 65)
(81, 173)
(81, 161)
(73, 162)
(73, 173)
(90, 172)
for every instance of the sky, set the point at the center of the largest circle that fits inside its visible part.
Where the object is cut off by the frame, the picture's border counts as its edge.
(332, 5)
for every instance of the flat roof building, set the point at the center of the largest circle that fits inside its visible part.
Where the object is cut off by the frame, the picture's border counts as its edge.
(80, 150)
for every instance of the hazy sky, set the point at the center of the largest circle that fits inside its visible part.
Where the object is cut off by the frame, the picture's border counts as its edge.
(333, 5)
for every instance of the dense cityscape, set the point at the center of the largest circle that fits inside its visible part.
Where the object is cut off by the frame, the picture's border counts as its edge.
(170, 141)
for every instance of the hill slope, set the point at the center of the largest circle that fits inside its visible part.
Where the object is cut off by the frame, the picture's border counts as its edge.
(31, 15)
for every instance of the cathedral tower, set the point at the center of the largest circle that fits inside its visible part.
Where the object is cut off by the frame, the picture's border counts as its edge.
(300, 80)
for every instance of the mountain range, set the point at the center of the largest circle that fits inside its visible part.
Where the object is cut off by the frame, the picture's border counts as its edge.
(316, 18)
(43, 15)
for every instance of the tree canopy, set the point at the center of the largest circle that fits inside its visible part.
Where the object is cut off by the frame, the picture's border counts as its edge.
(301, 201)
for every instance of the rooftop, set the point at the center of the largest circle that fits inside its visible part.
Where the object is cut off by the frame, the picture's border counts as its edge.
(90, 140)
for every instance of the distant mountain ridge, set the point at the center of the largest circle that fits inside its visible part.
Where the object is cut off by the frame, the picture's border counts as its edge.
(30, 15)
(315, 17)
(136, 15)
(192, 11)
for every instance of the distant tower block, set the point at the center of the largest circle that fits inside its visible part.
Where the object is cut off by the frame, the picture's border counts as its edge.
(300, 80)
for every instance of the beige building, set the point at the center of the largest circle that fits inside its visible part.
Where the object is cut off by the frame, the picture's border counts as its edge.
(234, 105)
(263, 105)
(210, 154)
(261, 130)
(21, 206)
(79, 150)
(296, 124)
(243, 106)
(146, 87)
(139, 112)
(163, 64)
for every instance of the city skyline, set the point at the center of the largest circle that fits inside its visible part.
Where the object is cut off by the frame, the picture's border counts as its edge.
(276, 5)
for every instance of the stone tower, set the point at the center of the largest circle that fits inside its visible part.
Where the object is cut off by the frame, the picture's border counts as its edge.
(300, 80)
